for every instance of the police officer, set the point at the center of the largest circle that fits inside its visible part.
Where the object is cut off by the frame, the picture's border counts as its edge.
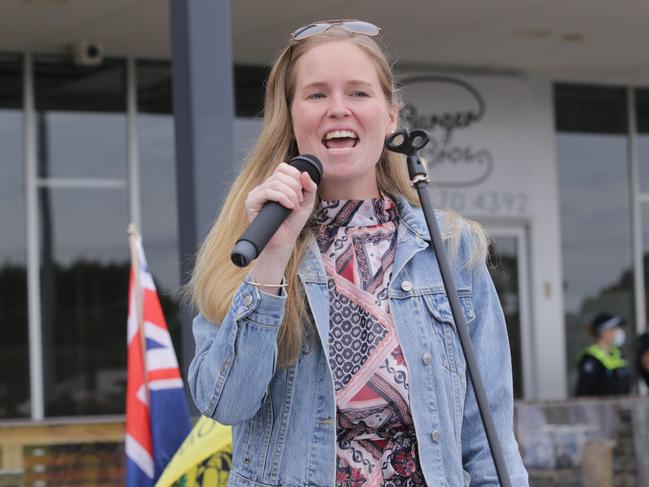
(602, 370)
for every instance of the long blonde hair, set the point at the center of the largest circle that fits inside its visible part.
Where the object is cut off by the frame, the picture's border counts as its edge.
(215, 279)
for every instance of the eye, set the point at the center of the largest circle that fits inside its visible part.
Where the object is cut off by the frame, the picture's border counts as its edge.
(316, 96)
(359, 93)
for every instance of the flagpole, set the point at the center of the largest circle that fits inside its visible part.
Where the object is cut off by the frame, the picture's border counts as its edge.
(133, 236)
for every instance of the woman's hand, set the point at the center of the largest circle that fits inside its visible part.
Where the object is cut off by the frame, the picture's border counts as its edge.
(291, 189)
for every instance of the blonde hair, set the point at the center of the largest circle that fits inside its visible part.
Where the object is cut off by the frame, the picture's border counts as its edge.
(215, 279)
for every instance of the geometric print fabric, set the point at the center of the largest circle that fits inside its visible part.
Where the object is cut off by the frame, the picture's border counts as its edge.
(376, 442)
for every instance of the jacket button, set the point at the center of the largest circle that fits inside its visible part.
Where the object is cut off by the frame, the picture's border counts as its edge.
(436, 436)
(427, 358)
(406, 285)
(247, 300)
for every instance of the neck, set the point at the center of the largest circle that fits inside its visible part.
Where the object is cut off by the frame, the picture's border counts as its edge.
(604, 344)
(333, 191)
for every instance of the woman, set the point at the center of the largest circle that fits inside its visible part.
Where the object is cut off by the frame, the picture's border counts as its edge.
(335, 356)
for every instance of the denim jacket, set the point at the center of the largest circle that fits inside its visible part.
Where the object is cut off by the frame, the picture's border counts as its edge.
(284, 419)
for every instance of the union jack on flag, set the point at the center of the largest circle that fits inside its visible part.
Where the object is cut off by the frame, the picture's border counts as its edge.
(157, 416)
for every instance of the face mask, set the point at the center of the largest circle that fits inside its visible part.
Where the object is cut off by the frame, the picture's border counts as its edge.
(620, 338)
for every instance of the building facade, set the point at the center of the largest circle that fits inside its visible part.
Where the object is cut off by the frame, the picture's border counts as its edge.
(556, 166)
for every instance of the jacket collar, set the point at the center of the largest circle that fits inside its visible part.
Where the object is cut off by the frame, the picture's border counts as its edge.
(412, 219)
(312, 268)
(413, 235)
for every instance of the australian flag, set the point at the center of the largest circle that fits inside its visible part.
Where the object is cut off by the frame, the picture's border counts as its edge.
(157, 416)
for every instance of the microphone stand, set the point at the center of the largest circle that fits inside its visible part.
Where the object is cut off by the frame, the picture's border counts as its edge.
(409, 143)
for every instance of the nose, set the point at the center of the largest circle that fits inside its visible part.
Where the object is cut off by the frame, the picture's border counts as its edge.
(338, 107)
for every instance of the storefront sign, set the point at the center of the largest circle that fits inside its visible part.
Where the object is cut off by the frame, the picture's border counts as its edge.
(480, 141)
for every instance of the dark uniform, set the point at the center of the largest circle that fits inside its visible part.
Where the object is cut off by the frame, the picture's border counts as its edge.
(603, 373)
(642, 347)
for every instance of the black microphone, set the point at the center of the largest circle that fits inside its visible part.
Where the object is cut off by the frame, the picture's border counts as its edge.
(271, 217)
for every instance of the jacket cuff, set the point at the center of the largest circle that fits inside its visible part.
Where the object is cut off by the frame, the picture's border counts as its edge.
(258, 306)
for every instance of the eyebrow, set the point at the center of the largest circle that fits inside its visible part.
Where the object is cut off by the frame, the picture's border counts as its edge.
(322, 84)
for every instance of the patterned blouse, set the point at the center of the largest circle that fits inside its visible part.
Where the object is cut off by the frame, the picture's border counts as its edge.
(376, 443)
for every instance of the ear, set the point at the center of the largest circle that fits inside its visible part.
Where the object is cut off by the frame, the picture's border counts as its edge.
(393, 114)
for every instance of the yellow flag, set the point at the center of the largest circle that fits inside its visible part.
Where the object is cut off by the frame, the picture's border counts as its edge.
(204, 458)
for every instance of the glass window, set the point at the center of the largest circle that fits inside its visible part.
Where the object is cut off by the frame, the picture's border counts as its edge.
(642, 139)
(249, 87)
(14, 348)
(595, 209)
(81, 118)
(84, 283)
(155, 126)
(644, 211)
(81, 136)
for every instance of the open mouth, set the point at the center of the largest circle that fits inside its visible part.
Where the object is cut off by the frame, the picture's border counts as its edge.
(340, 139)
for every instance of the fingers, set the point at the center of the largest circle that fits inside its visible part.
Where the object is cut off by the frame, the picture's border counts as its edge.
(305, 180)
(307, 183)
(272, 191)
(284, 168)
(287, 186)
(293, 184)
(286, 176)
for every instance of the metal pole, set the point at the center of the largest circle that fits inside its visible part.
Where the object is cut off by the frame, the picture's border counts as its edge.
(33, 239)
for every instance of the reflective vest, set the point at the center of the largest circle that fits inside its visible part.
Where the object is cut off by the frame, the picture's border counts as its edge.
(610, 360)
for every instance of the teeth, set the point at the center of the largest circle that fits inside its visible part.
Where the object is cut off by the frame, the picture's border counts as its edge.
(338, 134)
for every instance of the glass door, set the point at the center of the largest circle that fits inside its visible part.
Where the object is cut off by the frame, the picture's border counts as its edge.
(509, 271)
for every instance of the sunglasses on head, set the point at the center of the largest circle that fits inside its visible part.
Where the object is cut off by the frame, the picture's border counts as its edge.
(350, 25)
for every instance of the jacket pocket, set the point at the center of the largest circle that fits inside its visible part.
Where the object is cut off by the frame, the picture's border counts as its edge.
(447, 341)
(444, 329)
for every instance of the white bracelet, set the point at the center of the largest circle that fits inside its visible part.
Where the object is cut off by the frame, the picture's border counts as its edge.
(284, 284)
